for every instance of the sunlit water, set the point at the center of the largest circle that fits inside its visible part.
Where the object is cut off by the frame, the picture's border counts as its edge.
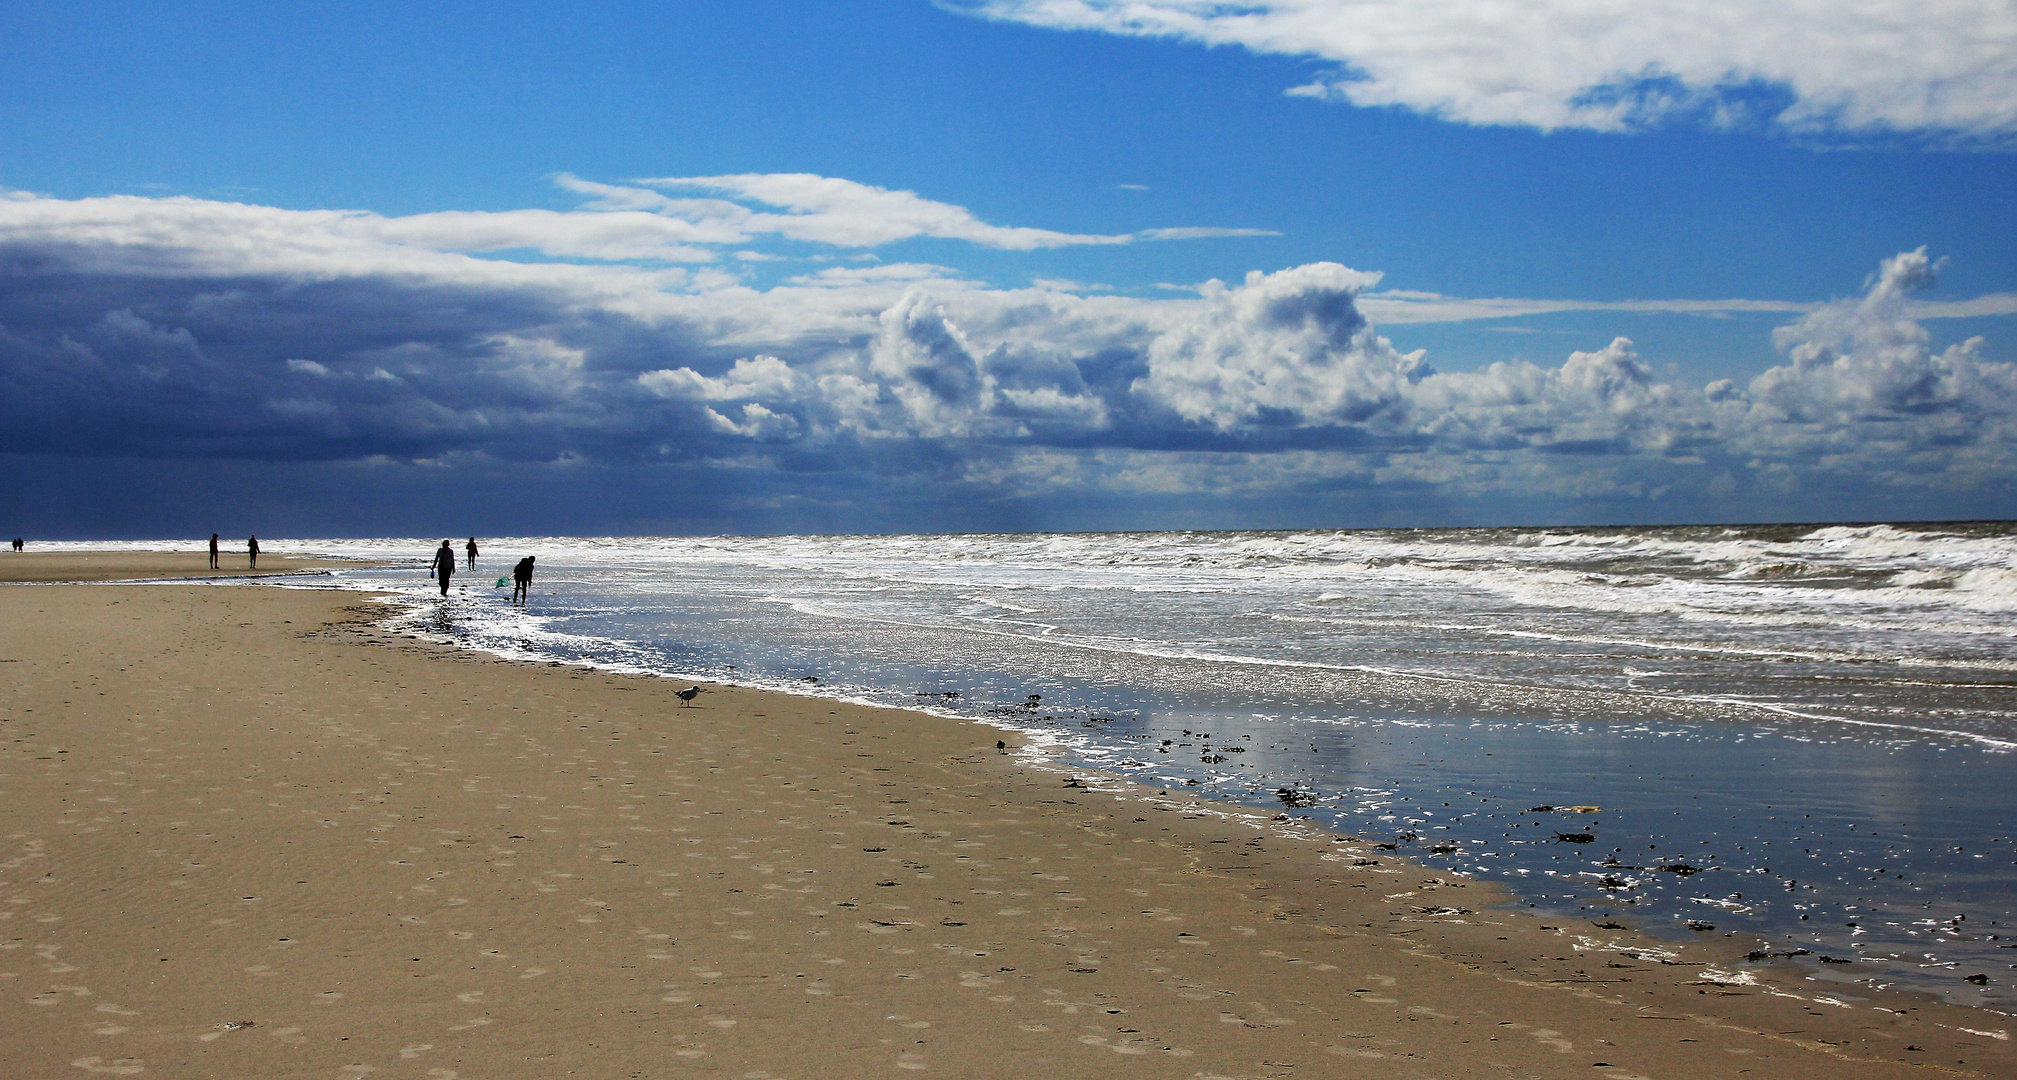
(1801, 733)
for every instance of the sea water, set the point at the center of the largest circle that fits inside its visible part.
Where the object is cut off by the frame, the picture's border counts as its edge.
(1800, 733)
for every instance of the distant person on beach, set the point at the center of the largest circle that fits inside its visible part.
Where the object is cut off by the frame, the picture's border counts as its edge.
(471, 547)
(252, 551)
(18, 544)
(444, 565)
(521, 581)
(213, 551)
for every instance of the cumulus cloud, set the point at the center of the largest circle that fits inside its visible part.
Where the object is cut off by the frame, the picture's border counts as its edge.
(1864, 381)
(1947, 68)
(1282, 349)
(178, 328)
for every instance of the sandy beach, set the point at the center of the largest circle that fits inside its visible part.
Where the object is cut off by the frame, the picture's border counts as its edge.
(244, 833)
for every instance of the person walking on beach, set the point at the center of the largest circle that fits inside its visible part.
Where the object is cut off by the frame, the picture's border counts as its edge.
(213, 551)
(252, 551)
(444, 565)
(521, 581)
(471, 548)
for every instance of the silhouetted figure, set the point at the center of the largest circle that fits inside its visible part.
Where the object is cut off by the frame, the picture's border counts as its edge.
(213, 551)
(521, 581)
(471, 548)
(19, 543)
(444, 565)
(252, 551)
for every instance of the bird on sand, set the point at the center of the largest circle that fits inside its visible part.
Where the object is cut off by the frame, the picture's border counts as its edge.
(687, 695)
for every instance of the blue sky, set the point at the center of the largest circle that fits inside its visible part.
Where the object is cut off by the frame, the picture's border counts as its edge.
(957, 250)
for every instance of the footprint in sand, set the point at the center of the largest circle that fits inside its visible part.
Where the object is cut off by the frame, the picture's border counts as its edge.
(1554, 1041)
(292, 1036)
(113, 1067)
(355, 1072)
(108, 1028)
(414, 1051)
(471, 1024)
(532, 973)
(1117, 1046)
(470, 997)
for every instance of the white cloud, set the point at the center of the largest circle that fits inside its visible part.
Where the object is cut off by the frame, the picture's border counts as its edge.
(840, 277)
(1193, 232)
(1286, 347)
(613, 236)
(829, 210)
(756, 377)
(1396, 308)
(757, 423)
(844, 213)
(1854, 362)
(1944, 67)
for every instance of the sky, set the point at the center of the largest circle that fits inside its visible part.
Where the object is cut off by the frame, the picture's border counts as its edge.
(976, 265)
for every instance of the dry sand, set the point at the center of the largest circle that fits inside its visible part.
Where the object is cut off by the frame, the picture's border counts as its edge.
(245, 834)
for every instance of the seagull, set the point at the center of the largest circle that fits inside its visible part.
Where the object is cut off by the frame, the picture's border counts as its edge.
(687, 695)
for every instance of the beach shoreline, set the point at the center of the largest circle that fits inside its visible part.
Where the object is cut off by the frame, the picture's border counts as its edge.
(58, 567)
(350, 849)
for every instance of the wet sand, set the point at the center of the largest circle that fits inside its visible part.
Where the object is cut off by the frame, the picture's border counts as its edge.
(56, 566)
(243, 833)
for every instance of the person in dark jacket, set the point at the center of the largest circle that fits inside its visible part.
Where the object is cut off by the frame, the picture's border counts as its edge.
(521, 581)
(444, 565)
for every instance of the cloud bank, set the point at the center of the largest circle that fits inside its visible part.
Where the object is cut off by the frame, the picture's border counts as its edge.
(1947, 68)
(179, 329)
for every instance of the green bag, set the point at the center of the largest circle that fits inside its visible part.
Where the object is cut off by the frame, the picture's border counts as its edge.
(502, 582)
